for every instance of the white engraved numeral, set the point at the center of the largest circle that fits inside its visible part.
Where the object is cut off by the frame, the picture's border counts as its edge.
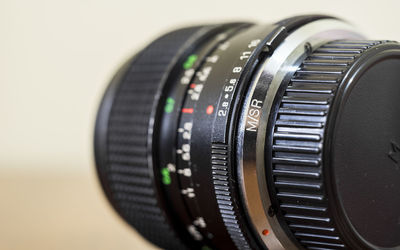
(189, 192)
(200, 222)
(186, 172)
(195, 234)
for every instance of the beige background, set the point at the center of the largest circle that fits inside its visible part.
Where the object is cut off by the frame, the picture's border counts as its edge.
(55, 60)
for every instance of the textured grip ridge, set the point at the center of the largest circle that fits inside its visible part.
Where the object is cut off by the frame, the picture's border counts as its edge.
(224, 197)
(298, 140)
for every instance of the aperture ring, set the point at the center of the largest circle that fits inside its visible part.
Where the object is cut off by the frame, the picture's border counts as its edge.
(297, 167)
(219, 161)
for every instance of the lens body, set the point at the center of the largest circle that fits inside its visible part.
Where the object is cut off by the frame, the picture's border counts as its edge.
(232, 136)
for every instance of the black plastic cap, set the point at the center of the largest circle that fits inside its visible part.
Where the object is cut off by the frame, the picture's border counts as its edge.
(365, 149)
(335, 161)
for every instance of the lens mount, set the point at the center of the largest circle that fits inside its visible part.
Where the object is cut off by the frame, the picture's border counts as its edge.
(252, 133)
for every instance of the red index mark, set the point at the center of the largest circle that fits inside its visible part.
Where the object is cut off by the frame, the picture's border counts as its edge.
(210, 109)
(265, 232)
(193, 85)
(187, 110)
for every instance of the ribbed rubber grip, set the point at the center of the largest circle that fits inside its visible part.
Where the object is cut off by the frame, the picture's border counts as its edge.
(298, 138)
(127, 173)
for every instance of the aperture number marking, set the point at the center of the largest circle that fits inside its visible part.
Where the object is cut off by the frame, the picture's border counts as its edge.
(230, 85)
(254, 43)
(227, 93)
(245, 55)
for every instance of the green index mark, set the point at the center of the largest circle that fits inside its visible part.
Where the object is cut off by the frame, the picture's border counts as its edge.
(190, 61)
(166, 177)
(169, 105)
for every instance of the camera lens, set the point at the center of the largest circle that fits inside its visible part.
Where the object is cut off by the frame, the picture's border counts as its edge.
(248, 136)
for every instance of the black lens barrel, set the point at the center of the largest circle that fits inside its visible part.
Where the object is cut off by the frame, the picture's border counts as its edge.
(231, 136)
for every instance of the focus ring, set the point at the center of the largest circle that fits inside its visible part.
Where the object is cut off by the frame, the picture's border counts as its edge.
(127, 174)
(298, 138)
